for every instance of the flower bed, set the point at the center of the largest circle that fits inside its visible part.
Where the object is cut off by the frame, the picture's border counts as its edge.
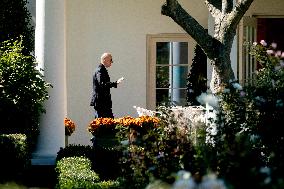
(124, 128)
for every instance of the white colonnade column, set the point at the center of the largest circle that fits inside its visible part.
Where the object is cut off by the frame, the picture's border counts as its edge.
(50, 45)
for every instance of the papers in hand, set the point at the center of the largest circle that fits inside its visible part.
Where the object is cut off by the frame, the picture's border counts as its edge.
(120, 79)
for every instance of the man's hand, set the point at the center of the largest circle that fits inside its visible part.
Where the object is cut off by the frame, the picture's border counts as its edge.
(120, 80)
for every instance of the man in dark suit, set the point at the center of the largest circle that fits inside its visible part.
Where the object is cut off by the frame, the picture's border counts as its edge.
(101, 97)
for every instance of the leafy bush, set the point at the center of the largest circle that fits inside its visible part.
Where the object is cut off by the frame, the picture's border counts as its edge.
(268, 99)
(235, 143)
(248, 145)
(22, 91)
(15, 156)
(75, 150)
(104, 160)
(15, 21)
(109, 184)
(75, 173)
(161, 149)
(197, 78)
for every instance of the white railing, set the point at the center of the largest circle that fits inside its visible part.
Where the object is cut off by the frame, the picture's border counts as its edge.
(189, 119)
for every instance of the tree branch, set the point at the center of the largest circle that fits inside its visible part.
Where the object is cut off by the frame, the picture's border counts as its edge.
(227, 6)
(173, 9)
(215, 3)
(212, 9)
(238, 12)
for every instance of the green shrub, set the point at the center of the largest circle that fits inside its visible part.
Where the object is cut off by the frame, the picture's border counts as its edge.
(236, 144)
(12, 185)
(15, 21)
(268, 99)
(197, 78)
(22, 91)
(248, 144)
(109, 184)
(160, 151)
(76, 173)
(75, 150)
(15, 156)
(106, 162)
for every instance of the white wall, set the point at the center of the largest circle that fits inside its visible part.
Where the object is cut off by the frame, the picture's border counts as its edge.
(267, 8)
(120, 27)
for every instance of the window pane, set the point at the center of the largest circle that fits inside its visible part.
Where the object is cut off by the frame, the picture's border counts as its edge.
(170, 97)
(178, 97)
(171, 73)
(178, 53)
(162, 77)
(162, 97)
(179, 76)
(163, 50)
(172, 53)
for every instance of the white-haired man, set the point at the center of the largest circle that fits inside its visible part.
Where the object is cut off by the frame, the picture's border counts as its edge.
(101, 97)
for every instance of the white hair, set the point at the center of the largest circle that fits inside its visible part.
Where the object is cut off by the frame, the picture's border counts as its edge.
(104, 55)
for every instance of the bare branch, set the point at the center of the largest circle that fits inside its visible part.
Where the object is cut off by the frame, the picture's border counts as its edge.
(215, 3)
(227, 6)
(238, 12)
(173, 9)
(171, 3)
(212, 9)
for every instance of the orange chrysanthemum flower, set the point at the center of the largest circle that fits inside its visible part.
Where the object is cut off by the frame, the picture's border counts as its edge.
(98, 125)
(69, 126)
(101, 124)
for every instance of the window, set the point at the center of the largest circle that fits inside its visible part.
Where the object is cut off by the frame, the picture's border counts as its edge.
(254, 29)
(169, 57)
(247, 64)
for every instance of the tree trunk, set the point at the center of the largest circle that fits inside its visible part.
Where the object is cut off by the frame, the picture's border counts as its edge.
(217, 47)
(221, 75)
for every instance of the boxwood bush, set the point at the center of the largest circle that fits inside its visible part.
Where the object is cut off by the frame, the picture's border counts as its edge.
(22, 91)
(15, 159)
(76, 172)
(75, 150)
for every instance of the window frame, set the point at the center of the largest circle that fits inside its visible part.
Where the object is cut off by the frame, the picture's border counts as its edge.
(151, 41)
(246, 63)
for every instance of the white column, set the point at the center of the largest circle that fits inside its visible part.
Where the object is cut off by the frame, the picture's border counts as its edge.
(50, 53)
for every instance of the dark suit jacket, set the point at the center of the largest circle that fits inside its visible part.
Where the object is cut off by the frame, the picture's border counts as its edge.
(101, 97)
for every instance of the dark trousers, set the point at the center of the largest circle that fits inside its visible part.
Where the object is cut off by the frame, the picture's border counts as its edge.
(107, 113)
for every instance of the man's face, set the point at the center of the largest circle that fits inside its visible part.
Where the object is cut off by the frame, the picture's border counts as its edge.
(108, 61)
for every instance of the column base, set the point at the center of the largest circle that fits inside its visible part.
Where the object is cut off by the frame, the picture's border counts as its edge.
(41, 159)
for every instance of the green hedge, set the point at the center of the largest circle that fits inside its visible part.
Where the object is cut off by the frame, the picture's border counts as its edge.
(75, 173)
(22, 91)
(15, 156)
(75, 150)
(15, 21)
